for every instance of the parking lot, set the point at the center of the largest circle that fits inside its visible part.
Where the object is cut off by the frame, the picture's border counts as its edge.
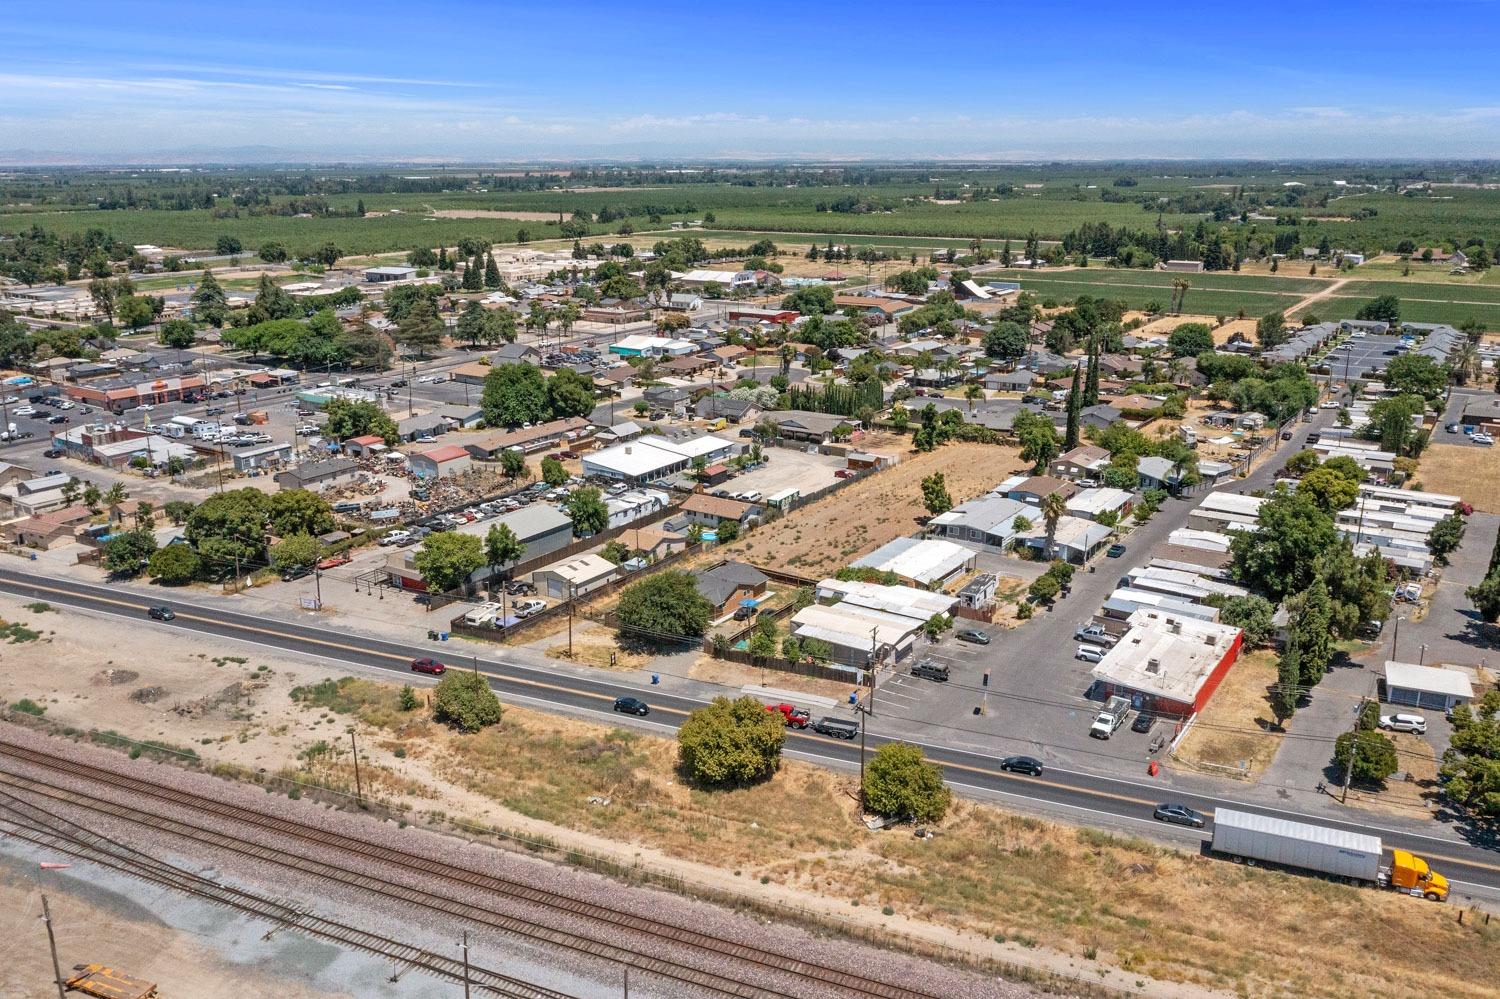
(786, 468)
(1364, 357)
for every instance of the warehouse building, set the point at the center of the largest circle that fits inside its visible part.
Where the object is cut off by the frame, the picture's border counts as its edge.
(1431, 687)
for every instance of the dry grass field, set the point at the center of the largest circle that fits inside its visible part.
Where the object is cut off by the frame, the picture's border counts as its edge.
(1462, 470)
(1232, 736)
(832, 532)
(993, 883)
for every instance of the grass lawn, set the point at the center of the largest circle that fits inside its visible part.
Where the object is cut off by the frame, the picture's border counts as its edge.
(1232, 736)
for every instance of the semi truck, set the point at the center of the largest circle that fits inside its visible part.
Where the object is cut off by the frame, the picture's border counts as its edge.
(1355, 856)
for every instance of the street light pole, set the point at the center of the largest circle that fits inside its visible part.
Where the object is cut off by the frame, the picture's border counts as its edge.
(52, 943)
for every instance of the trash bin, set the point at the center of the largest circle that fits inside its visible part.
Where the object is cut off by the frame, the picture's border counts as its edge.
(432, 635)
(442, 636)
(655, 679)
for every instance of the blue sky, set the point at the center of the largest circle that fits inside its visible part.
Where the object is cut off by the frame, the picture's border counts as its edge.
(146, 81)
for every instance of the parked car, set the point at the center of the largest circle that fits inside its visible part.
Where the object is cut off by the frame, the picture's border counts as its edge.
(395, 538)
(1022, 765)
(1180, 815)
(519, 587)
(428, 665)
(632, 706)
(1404, 723)
(1452, 428)
(972, 635)
(929, 670)
(1115, 550)
(527, 608)
(744, 613)
(296, 572)
(791, 715)
(1090, 653)
(1482, 438)
(53, 452)
(1143, 722)
(160, 613)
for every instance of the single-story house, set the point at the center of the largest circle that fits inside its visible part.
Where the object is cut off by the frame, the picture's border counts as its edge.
(870, 305)
(713, 407)
(262, 456)
(423, 426)
(987, 522)
(726, 585)
(1011, 381)
(1481, 411)
(1091, 503)
(634, 504)
(388, 273)
(796, 424)
(487, 447)
(652, 543)
(1074, 540)
(440, 462)
(1099, 417)
(684, 301)
(1154, 472)
(710, 511)
(461, 416)
(48, 530)
(575, 576)
(1083, 462)
(1033, 489)
(920, 562)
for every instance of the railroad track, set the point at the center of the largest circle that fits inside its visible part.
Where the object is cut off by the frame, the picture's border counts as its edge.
(30, 822)
(611, 921)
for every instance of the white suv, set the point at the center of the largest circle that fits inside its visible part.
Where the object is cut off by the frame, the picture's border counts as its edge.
(1404, 723)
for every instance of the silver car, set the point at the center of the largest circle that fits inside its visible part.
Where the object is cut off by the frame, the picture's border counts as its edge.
(1415, 724)
(1090, 653)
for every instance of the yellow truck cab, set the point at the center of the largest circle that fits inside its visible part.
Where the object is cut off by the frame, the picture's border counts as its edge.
(1410, 873)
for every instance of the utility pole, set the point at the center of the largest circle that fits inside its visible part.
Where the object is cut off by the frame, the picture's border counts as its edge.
(627, 981)
(318, 582)
(52, 943)
(862, 728)
(572, 599)
(466, 964)
(359, 790)
(1353, 752)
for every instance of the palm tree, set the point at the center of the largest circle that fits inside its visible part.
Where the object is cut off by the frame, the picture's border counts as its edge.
(973, 393)
(114, 497)
(1466, 363)
(1054, 508)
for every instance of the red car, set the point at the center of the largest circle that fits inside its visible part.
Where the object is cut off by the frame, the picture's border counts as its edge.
(428, 666)
(567, 454)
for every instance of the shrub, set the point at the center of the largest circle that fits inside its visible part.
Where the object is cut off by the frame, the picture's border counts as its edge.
(900, 783)
(464, 700)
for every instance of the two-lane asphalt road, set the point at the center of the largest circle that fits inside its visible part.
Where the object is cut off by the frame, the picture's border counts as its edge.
(1087, 797)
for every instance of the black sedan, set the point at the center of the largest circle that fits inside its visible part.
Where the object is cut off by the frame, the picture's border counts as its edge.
(161, 614)
(632, 706)
(1180, 815)
(1143, 722)
(1022, 765)
(1115, 551)
(972, 635)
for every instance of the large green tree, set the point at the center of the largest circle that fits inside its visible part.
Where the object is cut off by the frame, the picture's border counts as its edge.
(299, 511)
(731, 742)
(228, 526)
(295, 551)
(514, 394)
(585, 508)
(1190, 339)
(208, 301)
(1471, 765)
(1330, 490)
(447, 558)
(175, 565)
(667, 603)
(127, 553)
(570, 394)
(1416, 374)
(1374, 760)
(348, 419)
(1005, 340)
(1280, 558)
(935, 494)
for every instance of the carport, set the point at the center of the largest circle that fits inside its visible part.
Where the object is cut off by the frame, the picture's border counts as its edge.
(1430, 687)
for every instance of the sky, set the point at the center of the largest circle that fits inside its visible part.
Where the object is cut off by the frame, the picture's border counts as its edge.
(441, 80)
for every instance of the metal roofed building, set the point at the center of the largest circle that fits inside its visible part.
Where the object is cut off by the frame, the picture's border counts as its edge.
(857, 635)
(1125, 601)
(574, 577)
(379, 275)
(1092, 502)
(1168, 663)
(1074, 539)
(1426, 686)
(906, 601)
(920, 562)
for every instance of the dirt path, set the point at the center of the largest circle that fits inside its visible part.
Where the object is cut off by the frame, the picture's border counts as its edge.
(1317, 296)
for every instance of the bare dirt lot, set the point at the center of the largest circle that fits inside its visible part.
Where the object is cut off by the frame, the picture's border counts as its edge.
(1470, 472)
(832, 532)
(1166, 324)
(484, 213)
(991, 882)
(1233, 736)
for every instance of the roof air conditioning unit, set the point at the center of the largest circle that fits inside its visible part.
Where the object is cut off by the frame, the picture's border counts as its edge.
(1153, 666)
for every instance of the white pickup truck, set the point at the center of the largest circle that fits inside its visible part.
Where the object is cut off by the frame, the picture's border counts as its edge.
(1110, 717)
